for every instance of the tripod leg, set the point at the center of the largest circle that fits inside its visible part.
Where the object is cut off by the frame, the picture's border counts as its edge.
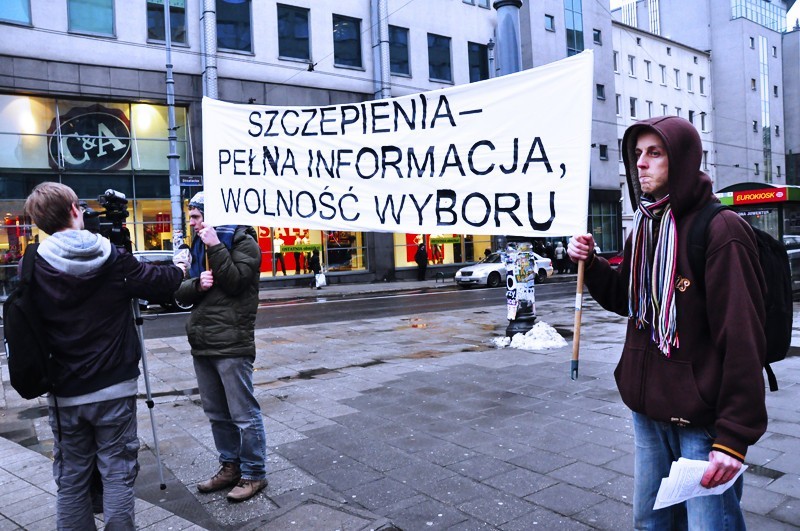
(137, 315)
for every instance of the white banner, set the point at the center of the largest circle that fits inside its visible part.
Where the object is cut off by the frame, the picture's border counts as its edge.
(508, 155)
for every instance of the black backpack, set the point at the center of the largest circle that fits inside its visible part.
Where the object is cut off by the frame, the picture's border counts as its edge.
(28, 353)
(777, 275)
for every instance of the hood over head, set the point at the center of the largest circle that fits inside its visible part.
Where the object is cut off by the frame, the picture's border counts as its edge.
(688, 186)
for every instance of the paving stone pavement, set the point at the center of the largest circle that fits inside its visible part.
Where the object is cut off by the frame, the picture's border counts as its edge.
(416, 422)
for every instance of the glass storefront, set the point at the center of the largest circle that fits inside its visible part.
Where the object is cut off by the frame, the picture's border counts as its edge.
(286, 251)
(442, 248)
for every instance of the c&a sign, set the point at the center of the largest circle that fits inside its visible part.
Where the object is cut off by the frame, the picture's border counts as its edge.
(93, 138)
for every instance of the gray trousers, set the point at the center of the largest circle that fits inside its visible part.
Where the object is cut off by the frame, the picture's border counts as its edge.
(102, 435)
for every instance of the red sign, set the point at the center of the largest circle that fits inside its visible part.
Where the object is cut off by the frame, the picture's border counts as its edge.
(766, 195)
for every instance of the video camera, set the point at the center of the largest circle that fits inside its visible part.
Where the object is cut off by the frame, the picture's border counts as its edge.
(109, 222)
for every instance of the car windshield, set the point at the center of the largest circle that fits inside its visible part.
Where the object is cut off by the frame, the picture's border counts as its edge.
(493, 258)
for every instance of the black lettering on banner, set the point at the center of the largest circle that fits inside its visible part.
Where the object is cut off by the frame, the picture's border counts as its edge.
(324, 120)
(362, 152)
(546, 225)
(420, 207)
(289, 163)
(281, 200)
(443, 111)
(231, 202)
(272, 115)
(375, 116)
(364, 119)
(386, 161)
(471, 156)
(347, 121)
(312, 204)
(327, 206)
(452, 151)
(536, 142)
(349, 195)
(513, 168)
(410, 120)
(283, 122)
(321, 159)
(508, 210)
(224, 158)
(312, 113)
(340, 162)
(427, 160)
(487, 209)
(251, 158)
(257, 115)
(424, 101)
(445, 202)
(237, 161)
(389, 203)
(272, 161)
(248, 195)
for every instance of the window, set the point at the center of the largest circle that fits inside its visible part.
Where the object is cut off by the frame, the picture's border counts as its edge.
(664, 109)
(705, 160)
(233, 25)
(603, 152)
(633, 107)
(779, 172)
(756, 168)
(483, 3)
(691, 117)
(471, 2)
(690, 82)
(573, 22)
(677, 78)
(398, 51)
(478, 61)
(702, 85)
(549, 23)
(155, 22)
(752, 84)
(346, 41)
(777, 130)
(616, 62)
(774, 51)
(649, 109)
(638, 41)
(663, 74)
(597, 36)
(647, 70)
(752, 43)
(702, 121)
(91, 16)
(619, 149)
(632, 66)
(16, 11)
(669, 50)
(677, 111)
(439, 58)
(694, 58)
(755, 126)
(600, 90)
(775, 90)
(293, 35)
(619, 104)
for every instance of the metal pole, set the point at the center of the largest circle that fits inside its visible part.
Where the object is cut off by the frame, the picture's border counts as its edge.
(172, 156)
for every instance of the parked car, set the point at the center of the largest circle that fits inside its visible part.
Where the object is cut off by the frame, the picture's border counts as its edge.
(491, 271)
(161, 257)
(616, 260)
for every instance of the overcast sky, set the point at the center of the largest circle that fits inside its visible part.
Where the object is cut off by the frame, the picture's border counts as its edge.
(794, 12)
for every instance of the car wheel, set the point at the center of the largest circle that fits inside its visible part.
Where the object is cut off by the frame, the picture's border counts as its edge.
(181, 307)
(494, 280)
(542, 276)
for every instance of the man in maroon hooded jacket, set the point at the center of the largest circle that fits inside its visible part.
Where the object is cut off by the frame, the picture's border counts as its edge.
(691, 366)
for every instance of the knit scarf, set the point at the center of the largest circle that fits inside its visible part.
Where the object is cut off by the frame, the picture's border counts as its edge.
(651, 289)
(198, 250)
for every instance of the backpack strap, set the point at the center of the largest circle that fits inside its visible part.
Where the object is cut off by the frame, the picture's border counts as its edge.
(698, 239)
(28, 260)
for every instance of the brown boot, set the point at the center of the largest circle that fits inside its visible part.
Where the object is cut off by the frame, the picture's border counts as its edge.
(246, 489)
(228, 476)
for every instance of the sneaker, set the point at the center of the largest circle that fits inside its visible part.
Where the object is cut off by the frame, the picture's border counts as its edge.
(246, 489)
(228, 476)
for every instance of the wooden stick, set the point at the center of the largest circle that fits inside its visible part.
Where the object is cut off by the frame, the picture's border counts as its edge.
(576, 338)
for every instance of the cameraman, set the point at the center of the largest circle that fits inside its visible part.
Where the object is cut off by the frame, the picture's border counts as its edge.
(83, 287)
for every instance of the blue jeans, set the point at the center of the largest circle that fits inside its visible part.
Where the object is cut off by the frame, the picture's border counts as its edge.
(226, 391)
(102, 435)
(658, 444)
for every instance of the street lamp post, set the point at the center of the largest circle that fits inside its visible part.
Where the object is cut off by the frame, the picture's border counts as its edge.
(172, 135)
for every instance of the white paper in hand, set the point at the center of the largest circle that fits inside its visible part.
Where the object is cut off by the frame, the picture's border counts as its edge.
(182, 258)
(683, 483)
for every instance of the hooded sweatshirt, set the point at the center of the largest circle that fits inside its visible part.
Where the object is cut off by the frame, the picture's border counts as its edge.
(713, 379)
(83, 289)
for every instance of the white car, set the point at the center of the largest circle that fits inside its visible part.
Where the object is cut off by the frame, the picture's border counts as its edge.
(161, 257)
(491, 271)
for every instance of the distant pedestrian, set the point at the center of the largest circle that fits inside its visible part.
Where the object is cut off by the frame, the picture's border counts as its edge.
(221, 333)
(421, 258)
(561, 257)
(83, 286)
(691, 367)
(316, 268)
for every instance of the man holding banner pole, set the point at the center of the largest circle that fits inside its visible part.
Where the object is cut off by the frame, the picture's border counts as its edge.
(691, 366)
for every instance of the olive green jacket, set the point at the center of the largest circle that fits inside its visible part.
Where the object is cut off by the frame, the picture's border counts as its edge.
(222, 322)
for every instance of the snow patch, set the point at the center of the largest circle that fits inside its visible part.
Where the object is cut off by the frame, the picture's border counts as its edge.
(541, 337)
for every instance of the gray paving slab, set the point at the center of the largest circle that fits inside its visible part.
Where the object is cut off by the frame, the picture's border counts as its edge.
(445, 432)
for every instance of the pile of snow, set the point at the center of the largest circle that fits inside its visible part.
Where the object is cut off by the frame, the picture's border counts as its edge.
(541, 337)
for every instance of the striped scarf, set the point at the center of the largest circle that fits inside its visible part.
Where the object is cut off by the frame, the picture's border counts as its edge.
(651, 290)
